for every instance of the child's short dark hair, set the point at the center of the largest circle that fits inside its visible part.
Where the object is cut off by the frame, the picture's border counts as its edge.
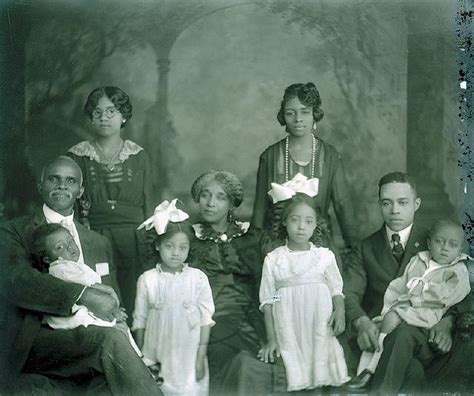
(283, 209)
(443, 223)
(39, 236)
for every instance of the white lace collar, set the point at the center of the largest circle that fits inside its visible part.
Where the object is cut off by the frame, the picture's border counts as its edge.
(311, 248)
(183, 270)
(204, 231)
(87, 149)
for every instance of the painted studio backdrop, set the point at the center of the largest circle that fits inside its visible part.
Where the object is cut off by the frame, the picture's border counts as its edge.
(206, 78)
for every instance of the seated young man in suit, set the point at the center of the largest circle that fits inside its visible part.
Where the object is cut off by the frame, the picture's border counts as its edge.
(378, 260)
(29, 292)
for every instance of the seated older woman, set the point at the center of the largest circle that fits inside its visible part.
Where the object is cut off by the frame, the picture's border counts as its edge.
(228, 252)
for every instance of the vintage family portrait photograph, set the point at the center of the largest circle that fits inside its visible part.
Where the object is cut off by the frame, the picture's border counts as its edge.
(236, 197)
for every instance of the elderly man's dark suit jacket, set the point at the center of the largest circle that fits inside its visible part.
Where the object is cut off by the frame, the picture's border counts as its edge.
(371, 270)
(27, 292)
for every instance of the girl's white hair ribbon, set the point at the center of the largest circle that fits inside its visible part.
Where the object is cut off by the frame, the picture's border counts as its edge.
(299, 184)
(165, 213)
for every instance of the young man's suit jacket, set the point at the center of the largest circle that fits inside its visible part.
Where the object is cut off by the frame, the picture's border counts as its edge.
(372, 268)
(28, 292)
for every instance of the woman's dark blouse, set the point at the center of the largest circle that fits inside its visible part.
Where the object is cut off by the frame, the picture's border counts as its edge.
(119, 197)
(233, 265)
(333, 187)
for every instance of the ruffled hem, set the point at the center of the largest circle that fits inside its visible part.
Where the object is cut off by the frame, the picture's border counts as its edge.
(211, 323)
(270, 301)
(318, 385)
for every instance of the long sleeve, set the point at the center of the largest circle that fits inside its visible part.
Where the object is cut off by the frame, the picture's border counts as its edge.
(140, 314)
(355, 285)
(112, 277)
(261, 203)
(267, 285)
(454, 287)
(332, 274)
(71, 271)
(23, 285)
(342, 202)
(149, 196)
(397, 288)
(205, 302)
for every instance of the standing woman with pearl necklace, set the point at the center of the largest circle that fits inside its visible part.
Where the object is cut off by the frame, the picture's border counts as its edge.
(305, 153)
(117, 185)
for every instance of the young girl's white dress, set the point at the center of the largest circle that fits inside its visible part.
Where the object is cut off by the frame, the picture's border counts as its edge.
(172, 308)
(300, 286)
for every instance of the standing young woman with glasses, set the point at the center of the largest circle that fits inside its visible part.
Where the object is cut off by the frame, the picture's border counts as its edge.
(117, 184)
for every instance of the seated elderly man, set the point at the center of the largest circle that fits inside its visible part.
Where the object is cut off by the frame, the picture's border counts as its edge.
(102, 355)
(380, 258)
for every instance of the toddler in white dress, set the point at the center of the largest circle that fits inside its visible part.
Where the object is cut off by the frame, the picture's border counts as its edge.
(301, 297)
(174, 308)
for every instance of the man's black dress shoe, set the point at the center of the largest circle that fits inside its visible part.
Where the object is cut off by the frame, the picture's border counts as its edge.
(361, 382)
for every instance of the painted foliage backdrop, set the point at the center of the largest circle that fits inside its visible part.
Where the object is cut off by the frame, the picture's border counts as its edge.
(206, 79)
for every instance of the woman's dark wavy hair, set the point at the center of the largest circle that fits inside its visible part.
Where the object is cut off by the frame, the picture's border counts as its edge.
(227, 180)
(153, 240)
(281, 211)
(118, 97)
(307, 94)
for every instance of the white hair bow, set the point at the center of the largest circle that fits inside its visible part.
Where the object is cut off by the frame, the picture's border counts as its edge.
(164, 213)
(299, 184)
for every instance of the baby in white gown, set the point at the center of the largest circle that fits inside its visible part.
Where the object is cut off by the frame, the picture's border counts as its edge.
(57, 249)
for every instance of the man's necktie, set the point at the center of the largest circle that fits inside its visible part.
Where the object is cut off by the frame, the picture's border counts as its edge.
(397, 247)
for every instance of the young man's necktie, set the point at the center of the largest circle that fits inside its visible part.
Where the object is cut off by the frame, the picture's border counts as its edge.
(397, 247)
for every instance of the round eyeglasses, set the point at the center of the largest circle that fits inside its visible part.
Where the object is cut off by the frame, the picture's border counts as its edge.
(109, 112)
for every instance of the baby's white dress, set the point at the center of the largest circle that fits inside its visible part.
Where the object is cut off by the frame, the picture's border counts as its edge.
(72, 271)
(300, 286)
(172, 308)
(77, 272)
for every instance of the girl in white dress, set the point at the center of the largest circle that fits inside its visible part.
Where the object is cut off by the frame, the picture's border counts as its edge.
(174, 308)
(301, 297)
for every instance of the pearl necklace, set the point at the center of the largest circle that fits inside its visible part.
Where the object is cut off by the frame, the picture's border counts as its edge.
(287, 154)
(110, 166)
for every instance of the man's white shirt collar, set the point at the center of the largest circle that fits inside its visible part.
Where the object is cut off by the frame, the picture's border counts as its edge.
(404, 234)
(55, 217)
